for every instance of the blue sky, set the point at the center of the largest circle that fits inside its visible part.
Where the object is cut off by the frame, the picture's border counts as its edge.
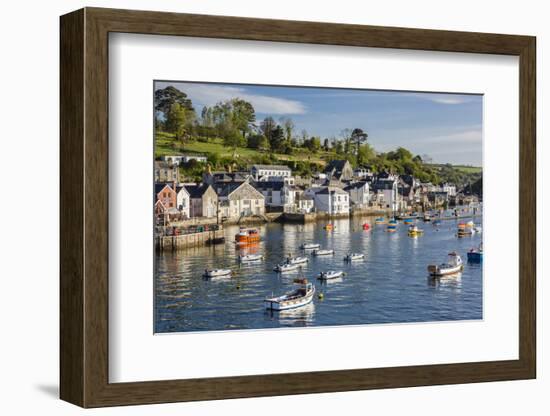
(447, 127)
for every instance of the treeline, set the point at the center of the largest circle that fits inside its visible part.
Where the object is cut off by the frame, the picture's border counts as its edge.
(234, 122)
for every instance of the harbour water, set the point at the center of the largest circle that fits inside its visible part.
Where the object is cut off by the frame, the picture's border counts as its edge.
(391, 285)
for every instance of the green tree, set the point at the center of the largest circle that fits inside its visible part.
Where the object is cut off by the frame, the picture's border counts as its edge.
(166, 97)
(243, 115)
(178, 121)
(358, 137)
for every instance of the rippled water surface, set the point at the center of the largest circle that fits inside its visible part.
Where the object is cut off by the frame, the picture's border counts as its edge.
(390, 285)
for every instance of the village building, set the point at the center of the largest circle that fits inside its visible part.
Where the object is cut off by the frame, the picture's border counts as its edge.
(305, 204)
(359, 193)
(166, 172)
(387, 194)
(179, 159)
(183, 201)
(238, 199)
(203, 201)
(271, 173)
(449, 188)
(278, 195)
(340, 170)
(220, 178)
(329, 199)
(165, 194)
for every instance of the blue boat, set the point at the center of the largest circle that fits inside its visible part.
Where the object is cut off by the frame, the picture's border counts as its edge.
(476, 255)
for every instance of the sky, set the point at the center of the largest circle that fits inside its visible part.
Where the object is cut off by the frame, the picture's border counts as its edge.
(447, 127)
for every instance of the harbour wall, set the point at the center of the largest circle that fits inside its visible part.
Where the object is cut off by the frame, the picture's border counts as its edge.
(178, 242)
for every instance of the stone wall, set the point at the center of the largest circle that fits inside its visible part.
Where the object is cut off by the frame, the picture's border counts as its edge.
(171, 243)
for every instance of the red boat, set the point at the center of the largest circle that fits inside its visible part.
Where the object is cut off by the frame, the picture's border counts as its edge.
(366, 226)
(247, 236)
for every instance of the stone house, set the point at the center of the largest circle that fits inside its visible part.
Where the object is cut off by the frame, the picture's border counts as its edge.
(340, 170)
(238, 199)
(203, 201)
(166, 172)
(359, 193)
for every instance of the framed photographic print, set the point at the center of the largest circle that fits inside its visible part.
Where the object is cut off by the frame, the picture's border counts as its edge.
(255, 207)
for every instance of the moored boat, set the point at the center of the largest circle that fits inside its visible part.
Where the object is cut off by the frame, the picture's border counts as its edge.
(285, 267)
(464, 230)
(323, 252)
(310, 246)
(331, 274)
(217, 273)
(329, 227)
(296, 260)
(380, 221)
(392, 226)
(354, 256)
(366, 226)
(453, 265)
(251, 257)
(475, 255)
(427, 217)
(414, 231)
(295, 299)
(247, 236)
(408, 221)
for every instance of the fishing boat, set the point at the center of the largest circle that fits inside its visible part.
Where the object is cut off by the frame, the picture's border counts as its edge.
(475, 255)
(285, 267)
(296, 260)
(332, 274)
(354, 256)
(392, 226)
(329, 227)
(464, 230)
(217, 273)
(310, 246)
(414, 231)
(247, 236)
(295, 299)
(427, 217)
(323, 252)
(453, 265)
(380, 221)
(250, 258)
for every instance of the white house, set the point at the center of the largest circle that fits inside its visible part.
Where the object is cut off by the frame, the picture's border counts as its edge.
(330, 199)
(450, 189)
(388, 193)
(277, 194)
(359, 193)
(271, 173)
(305, 204)
(183, 201)
(179, 159)
(240, 199)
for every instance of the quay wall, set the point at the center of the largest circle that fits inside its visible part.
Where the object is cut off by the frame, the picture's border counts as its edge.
(178, 242)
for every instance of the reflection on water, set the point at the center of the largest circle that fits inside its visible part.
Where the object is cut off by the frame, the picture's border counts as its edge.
(390, 285)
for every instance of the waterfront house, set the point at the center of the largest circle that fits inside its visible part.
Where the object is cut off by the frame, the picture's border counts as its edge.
(166, 172)
(359, 193)
(330, 199)
(179, 159)
(183, 201)
(449, 188)
(305, 204)
(238, 199)
(166, 194)
(203, 201)
(279, 196)
(339, 169)
(271, 173)
(387, 192)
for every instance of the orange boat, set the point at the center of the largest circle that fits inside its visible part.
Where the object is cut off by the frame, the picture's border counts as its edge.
(247, 236)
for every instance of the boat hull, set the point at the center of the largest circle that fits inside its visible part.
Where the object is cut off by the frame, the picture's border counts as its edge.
(439, 271)
(284, 305)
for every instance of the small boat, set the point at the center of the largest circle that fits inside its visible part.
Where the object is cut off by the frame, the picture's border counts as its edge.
(408, 221)
(380, 221)
(247, 236)
(282, 268)
(217, 273)
(354, 256)
(392, 226)
(216, 240)
(427, 217)
(251, 257)
(332, 274)
(477, 229)
(366, 226)
(329, 227)
(414, 231)
(310, 246)
(296, 260)
(323, 252)
(437, 223)
(453, 265)
(464, 231)
(299, 297)
(470, 224)
(475, 255)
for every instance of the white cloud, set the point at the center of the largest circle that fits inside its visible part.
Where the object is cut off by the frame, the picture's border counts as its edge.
(210, 94)
(449, 99)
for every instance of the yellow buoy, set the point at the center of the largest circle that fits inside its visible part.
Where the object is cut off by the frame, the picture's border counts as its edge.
(321, 296)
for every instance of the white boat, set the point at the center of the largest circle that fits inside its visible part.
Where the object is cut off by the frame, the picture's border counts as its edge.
(310, 246)
(251, 257)
(323, 252)
(217, 273)
(296, 260)
(299, 297)
(477, 229)
(332, 274)
(354, 256)
(453, 265)
(281, 268)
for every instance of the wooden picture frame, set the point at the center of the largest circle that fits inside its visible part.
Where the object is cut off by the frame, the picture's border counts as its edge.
(84, 207)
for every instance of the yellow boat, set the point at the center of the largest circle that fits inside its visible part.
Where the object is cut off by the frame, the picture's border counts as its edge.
(329, 227)
(414, 231)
